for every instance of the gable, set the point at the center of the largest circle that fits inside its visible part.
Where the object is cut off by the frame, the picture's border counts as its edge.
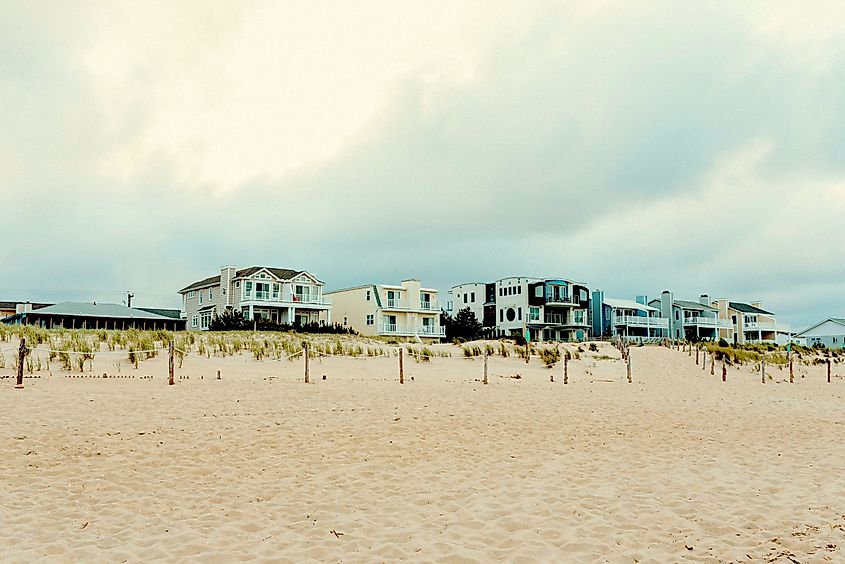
(305, 278)
(823, 329)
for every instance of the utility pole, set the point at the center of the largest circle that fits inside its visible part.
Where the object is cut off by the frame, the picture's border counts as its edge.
(129, 296)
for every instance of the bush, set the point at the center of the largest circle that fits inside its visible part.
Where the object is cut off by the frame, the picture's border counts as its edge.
(550, 356)
(723, 343)
(594, 347)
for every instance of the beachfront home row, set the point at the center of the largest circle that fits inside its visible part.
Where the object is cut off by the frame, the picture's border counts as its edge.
(280, 295)
(405, 310)
(541, 309)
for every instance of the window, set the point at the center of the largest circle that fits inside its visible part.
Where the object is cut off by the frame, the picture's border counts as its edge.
(190, 294)
(677, 315)
(501, 315)
(238, 284)
(210, 294)
(370, 318)
(533, 313)
(501, 292)
(465, 298)
(472, 297)
(205, 319)
(247, 289)
(538, 292)
(195, 321)
(200, 297)
(345, 320)
(519, 289)
(511, 314)
(262, 291)
(519, 313)
(368, 299)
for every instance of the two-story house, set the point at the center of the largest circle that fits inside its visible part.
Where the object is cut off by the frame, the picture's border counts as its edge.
(542, 309)
(406, 310)
(280, 295)
(747, 323)
(688, 319)
(629, 319)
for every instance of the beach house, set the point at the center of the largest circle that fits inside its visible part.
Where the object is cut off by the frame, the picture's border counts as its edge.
(281, 295)
(688, 319)
(829, 333)
(542, 309)
(629, 319)
(746, 322)
(406, 310)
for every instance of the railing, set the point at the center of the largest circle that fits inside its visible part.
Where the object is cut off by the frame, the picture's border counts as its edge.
(554, 319)
(759, 327)
(394, 304)
(430, 305)
(396, 329)
(560, 300)
(641, 321)
(296, 299)
(711, 322)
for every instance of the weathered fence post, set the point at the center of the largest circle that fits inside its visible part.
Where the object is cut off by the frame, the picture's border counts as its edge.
(566, 367)
(696, 355)
(21, 360)
(763, 370)
(724, 372)
(170, 364)
(552, 373)
(630, 381)
(307, 368)
(527, 350)
(791, 371)
(828, 371)
(485, 366)
(712, 364)
(401, 365)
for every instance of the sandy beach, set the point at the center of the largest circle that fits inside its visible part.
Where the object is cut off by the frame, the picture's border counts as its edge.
(676, 466)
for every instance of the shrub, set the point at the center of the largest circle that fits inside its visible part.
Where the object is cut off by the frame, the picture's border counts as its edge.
(550, 356)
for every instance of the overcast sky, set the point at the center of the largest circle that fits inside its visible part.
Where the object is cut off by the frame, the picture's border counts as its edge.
(635, 146)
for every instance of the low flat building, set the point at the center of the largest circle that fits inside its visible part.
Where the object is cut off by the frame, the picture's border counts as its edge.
(80, 315)
(829, 333)
(406, 310)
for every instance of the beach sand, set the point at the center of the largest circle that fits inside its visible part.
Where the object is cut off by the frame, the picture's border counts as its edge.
(676, 466)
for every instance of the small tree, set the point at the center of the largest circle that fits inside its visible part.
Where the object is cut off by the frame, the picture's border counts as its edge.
(463, 326)
(229, 320)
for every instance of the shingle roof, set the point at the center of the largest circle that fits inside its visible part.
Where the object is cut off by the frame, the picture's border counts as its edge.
(171, 313)
(280, 273)
(748, 308)
(98, 310)
(210, 281)
(697, 306)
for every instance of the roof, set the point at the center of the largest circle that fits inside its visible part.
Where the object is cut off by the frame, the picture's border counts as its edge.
(748, 308)
(210, 281)
(628, 304)
(172, 313)
(696, 306)
(839, 320)
(13, 305)
(280, 273)
(81, 309)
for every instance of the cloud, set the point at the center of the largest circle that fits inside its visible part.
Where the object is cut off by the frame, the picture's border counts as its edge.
(633, 147)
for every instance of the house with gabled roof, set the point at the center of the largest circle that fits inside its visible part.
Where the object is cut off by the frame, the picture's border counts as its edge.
(406, 311)
(829, 333)
(281, 295)
(689, 319)
(629, 319)
(748, 322)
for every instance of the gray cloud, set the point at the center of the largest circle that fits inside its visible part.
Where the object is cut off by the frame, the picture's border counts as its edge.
(636, 149)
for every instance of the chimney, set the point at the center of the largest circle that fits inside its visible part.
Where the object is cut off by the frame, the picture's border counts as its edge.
(227, 273)
(758, 304)
(704, 299)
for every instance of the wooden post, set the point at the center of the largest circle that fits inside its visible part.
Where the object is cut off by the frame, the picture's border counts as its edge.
(218, 374)
(566, 367)
(724, 372)
(828, 370)
(791, 372)
(712, 364)
(401, 365)
(696, 355)
(552, 374)
(763, 371)
(305, 353)
(485, 365)
(629, 370)
(170, 366)
(527, 350)
(21, 360)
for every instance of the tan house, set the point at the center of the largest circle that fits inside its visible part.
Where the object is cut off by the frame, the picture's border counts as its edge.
(406, 310)
(280, 295)
(748, 323)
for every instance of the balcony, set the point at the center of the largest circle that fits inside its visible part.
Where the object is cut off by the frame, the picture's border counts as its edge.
(560, 301)
(641, 321)
(410, 330)
(430, 306)
(285, 301)
(560, 319)
(708, 322)
(763, 326)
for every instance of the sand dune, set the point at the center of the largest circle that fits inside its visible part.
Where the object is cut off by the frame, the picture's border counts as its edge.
(258, 466)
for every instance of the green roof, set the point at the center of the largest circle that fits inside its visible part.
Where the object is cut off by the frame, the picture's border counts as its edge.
(748, 308)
